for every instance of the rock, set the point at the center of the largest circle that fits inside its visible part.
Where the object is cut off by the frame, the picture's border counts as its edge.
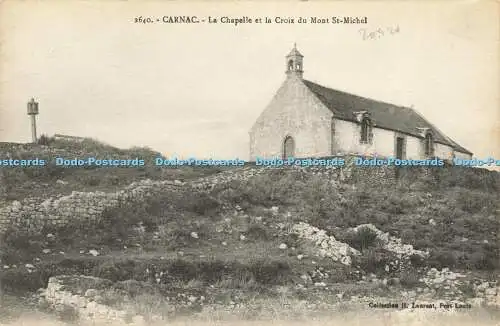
(224, 243)
(283, 246)
(46, 251)
(432, 222)
(476, 302)
(90, 293)
(138, 320)
(29, 266)
(242, 237)
(299, 257)
(194, 235)
(94, 252)
(99, 299)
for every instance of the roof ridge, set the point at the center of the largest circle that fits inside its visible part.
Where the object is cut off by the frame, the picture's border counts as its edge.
(359, 96)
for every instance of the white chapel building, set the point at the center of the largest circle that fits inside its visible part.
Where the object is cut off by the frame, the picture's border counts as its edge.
(305, 120)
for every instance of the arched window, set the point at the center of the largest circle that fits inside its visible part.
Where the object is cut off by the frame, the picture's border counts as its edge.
(288, 147)
(365, 130)
(429, 144)
(290, 65)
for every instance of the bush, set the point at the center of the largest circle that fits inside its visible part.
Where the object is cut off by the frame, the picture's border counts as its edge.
(45, 140)
(375, 260)
(440, 259)
(257, 232)
(409, 279)
(363, 239)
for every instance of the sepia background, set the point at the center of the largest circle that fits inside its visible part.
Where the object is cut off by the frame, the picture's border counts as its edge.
(197, 89)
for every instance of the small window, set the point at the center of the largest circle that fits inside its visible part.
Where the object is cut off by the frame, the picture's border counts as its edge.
(290, 65)
(365, 130)
(429, 145)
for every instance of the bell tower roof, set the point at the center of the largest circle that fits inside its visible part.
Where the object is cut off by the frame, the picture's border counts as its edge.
(295, 52)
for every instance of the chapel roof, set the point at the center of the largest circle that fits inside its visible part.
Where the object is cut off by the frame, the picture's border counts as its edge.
(385, 115)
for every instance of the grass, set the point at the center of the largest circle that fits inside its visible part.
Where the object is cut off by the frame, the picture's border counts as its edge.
(157, 235)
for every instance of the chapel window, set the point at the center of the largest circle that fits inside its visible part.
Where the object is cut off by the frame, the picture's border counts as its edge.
(429, 145)
(365, 130)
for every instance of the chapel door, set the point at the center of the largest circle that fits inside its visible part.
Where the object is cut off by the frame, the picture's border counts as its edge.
(399, 147)
(288, 148)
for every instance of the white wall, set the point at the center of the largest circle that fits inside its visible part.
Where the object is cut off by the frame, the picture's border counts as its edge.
(294, 111)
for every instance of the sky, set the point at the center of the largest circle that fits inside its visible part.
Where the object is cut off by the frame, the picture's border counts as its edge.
(196, 89)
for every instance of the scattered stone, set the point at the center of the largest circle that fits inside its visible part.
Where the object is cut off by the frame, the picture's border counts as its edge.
(94, 252)
(328, 245)
(90, 293)
(138, 320)
(391, 243)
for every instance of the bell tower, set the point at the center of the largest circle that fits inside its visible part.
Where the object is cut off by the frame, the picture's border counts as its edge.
(294, 62)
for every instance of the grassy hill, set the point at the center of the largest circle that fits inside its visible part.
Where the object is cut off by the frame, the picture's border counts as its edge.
(53, 180)
(234, 243)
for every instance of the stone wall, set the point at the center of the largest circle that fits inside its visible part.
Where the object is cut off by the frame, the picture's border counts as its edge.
(61, 296)
(34, 213)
